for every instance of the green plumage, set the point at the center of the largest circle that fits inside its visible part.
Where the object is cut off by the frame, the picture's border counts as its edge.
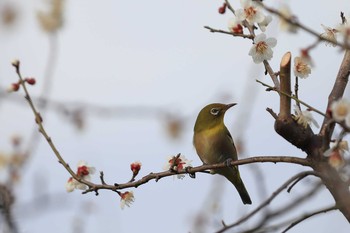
(214, 144)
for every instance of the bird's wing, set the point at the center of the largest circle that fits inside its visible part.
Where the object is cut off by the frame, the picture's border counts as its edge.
(229, 136)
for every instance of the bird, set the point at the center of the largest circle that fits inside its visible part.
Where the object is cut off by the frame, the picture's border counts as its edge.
(214, 144)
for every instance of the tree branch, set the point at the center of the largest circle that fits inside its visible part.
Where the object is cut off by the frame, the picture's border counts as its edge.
(336, 93)
(306, 216)
(285, 101)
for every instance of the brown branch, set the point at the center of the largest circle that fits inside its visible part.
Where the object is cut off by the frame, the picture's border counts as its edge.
(272, 74)
(38, 121)
(306, 216)
(229, 33)
(191, 170)
(285, 101)
(336, 93)
(229, 6)
(293, 21)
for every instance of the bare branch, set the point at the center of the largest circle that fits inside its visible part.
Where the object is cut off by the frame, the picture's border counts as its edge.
(268, 201)
(293, 21)
(306, 216)
(285, 101)
(336, 93)
(229, 33)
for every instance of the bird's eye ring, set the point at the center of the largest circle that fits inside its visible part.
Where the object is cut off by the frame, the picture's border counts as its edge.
(214, 111)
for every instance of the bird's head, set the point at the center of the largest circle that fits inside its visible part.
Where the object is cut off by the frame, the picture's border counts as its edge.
(211, 116)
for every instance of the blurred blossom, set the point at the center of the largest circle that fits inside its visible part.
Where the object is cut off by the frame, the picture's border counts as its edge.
(250, 12)
(340, 109)
(52, 19)
(174, 126)
(4, 160)
(344, 31)
(336, 154)
(304, 54)
(329, 34)
(78, 119)
(304, 118)
(336, 159)
(234, 26)
(284, 24)
(9, 14)
(16, 140)
(263, 25)
(301, 67)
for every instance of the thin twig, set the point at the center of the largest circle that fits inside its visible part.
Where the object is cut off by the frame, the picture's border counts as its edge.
(306, 216)
(293, 21)
(229, 33)
(268, 201)
(229, 6)
(293, 97)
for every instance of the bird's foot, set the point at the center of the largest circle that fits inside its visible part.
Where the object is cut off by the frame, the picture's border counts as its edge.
(191, 174)
(228, 162)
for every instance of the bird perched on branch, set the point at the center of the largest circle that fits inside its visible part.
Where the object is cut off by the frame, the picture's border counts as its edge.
(214, 144)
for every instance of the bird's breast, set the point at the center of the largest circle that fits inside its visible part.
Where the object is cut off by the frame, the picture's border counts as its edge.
(212, 146)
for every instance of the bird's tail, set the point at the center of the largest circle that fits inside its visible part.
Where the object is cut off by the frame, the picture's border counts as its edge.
(233, 176)
(243, 192)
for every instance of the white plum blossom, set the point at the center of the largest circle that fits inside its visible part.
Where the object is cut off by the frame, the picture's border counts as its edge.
(84, 172)
(344, 31)
(336, 153)
(234, 26)
(250, 12)
(126, 199)
(261, 49)
(304, 118)
(330, 34)
(301, 68)
(340, 109)
(177, 163)
(284, 24)
(267, 20)
(73, 184)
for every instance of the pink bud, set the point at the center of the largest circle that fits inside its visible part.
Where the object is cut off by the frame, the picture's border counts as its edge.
(30, 81)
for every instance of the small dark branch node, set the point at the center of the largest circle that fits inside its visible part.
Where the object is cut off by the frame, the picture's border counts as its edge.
(273, 114)
(102, 178)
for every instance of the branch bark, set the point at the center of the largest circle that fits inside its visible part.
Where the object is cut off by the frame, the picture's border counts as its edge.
(336, 93)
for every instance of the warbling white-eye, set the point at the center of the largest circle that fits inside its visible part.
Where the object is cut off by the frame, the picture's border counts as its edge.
(214, 144)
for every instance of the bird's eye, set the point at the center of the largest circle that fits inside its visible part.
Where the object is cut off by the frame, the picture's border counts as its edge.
(214, 111)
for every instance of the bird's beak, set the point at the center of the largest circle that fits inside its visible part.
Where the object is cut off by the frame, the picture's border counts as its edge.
(229, 106)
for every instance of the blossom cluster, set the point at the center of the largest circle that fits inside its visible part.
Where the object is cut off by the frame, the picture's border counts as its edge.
(251, 14)
(84, 172)
(177, 163)
(331, 34)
